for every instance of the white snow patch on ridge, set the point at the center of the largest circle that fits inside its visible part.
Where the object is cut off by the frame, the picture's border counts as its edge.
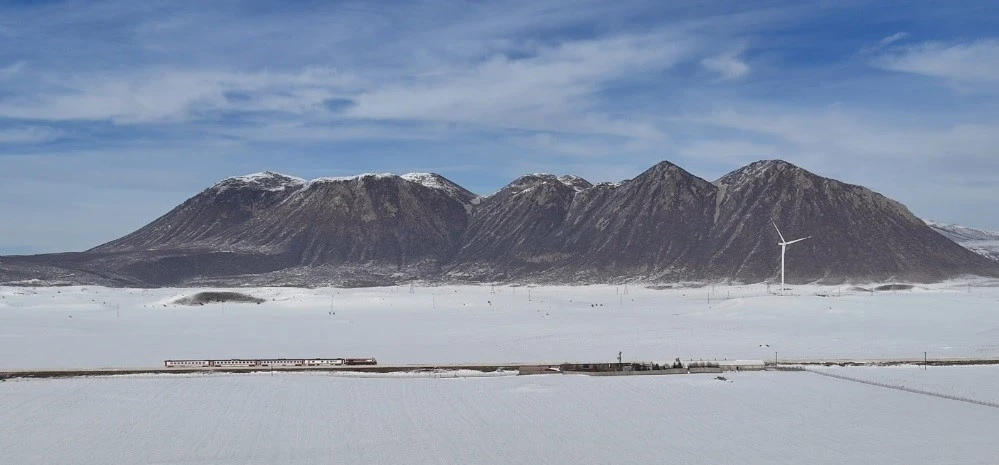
(263, 176)
(577, 183)
(266, 180)
(352, 178)
(271, 181)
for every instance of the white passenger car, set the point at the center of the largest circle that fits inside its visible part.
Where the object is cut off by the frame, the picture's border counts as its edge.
(187, 363)
(315, 362)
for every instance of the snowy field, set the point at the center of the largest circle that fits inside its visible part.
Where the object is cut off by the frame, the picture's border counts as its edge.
(754, 418)
(973, 382)
(91, 327)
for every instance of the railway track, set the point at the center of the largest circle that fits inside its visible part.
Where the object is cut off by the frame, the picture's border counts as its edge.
(486, 368)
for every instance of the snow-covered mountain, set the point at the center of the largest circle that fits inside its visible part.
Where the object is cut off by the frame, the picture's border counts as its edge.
(664, 225)
(982, 242)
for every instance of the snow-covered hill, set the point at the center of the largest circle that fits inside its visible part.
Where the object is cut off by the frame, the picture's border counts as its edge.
(980, 241)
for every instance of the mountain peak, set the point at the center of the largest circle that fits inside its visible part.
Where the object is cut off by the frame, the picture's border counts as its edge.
(529, 181)
(665, 164)
(577, 183)
(761, 169)
(668, 173)
(775, 163)
(431, 180)
(665, 168)
(440, 183)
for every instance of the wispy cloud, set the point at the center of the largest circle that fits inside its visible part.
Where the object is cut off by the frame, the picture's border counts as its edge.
(893, 38)
(158, 95)
(552, 88)
(859, 133)
(728, 65)
(28, 135)
(964, 63)
(11, 70)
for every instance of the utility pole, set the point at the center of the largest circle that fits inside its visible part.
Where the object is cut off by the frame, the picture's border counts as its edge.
(776, 362)
(620, 366)
(925, 361)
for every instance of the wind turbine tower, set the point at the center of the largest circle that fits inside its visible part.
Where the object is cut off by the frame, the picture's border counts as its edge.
(783, 249)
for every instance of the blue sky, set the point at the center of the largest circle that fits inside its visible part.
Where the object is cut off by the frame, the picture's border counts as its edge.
(111, 113)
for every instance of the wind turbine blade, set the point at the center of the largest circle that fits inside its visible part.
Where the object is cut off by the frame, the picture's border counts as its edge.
(799, 240)
(778, 232)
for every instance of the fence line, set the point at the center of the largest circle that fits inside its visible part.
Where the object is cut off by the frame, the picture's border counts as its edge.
(907, 389)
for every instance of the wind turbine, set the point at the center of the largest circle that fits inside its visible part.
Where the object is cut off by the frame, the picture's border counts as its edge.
(783, 249)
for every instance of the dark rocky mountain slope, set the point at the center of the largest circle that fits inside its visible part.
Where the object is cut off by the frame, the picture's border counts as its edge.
(856, 233)
(512, 232)
(664, 225)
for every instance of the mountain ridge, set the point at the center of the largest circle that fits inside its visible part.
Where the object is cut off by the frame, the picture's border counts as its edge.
(663, 225)
(980, 241)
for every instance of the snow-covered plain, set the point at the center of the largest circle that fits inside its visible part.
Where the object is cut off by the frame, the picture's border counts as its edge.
(754, 418)
(74, 327)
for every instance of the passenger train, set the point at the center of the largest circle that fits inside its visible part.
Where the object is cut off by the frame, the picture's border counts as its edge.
(268, 362)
